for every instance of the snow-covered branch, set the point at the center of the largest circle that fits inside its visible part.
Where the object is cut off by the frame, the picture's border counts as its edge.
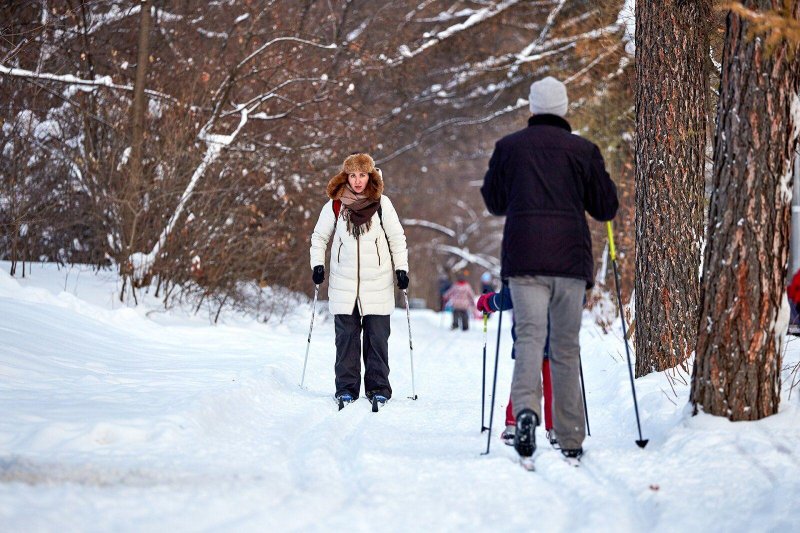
(476, 18)
(459, 121)
(115, 14)
(592, 64)
(256, 101)
(548, 25)
(536, 51)
(69, 79)
(430, 225)
(487, 262)
(463, 121)
(266, 45)
(216, 143)
(627, 19)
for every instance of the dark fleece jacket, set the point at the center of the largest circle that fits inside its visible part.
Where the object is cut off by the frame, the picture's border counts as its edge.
(542, 179)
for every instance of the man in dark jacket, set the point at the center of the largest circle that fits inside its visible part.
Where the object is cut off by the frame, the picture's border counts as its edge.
(542, 179)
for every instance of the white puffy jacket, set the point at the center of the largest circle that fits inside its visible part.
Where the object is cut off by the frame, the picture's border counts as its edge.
(361, 269)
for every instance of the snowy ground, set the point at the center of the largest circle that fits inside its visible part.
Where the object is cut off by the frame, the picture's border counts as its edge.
(119, 419)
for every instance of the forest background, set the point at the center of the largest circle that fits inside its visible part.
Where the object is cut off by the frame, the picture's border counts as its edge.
(189, 144)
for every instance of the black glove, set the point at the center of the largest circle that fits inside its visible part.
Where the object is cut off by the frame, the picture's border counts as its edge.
(402, 279)
(318, 274)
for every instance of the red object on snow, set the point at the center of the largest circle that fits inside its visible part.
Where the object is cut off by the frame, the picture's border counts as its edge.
(793, 290)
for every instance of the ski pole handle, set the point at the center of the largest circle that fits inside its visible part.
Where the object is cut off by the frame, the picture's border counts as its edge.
(612, 249)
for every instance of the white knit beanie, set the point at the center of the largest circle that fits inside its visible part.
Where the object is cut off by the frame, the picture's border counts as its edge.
(548, 96)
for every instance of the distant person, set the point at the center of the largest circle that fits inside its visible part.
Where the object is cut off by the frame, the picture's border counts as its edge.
(444, 284)
(486, 283)
(462, 298)
(793, 292)
(489, 303)
(543, 179)
(367, 238)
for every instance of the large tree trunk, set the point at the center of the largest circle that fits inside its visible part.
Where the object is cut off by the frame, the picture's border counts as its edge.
(737, 370)
(671, 92)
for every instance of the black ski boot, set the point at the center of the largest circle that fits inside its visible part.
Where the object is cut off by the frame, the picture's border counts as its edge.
(343, 399)
(572, 456)
(378, 401)
(525, 436)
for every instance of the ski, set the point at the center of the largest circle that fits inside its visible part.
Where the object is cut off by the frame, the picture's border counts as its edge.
(527, 463)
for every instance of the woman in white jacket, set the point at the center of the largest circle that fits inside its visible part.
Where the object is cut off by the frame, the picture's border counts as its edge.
(367, 240)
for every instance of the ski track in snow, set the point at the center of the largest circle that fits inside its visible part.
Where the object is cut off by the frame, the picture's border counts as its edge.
(116, 419)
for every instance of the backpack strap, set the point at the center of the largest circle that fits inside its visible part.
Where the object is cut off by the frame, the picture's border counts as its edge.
(386, 235)
(337, 206)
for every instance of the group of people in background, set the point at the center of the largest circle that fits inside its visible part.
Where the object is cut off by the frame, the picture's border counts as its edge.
(543, 179)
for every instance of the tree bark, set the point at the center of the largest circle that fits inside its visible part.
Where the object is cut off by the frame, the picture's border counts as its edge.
(737, 370)
(133, 188)
(671, 96)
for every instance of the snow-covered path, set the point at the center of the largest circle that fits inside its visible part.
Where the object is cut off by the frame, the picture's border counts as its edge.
(126, 419)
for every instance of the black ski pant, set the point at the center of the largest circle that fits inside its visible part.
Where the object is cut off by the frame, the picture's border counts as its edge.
(462, 316)
(376, 330)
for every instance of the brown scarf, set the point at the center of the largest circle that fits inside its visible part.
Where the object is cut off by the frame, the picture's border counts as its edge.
(357, 211)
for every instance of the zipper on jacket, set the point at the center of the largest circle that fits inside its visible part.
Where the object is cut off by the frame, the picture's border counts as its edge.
(378, 251)
(358, 275)
(339, 253)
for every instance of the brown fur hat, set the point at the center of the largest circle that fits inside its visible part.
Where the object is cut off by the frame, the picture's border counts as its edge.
(357, 163)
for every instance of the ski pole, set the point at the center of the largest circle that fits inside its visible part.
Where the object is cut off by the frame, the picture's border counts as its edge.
(641, 442)
(310, 329)
(483, 387)
(583, 391)
(410, 347)
(494, 383)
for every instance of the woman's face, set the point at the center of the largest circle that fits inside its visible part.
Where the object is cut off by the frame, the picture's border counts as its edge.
(358, 181)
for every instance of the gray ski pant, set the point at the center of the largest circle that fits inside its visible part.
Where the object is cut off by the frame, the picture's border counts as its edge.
(533, 296)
